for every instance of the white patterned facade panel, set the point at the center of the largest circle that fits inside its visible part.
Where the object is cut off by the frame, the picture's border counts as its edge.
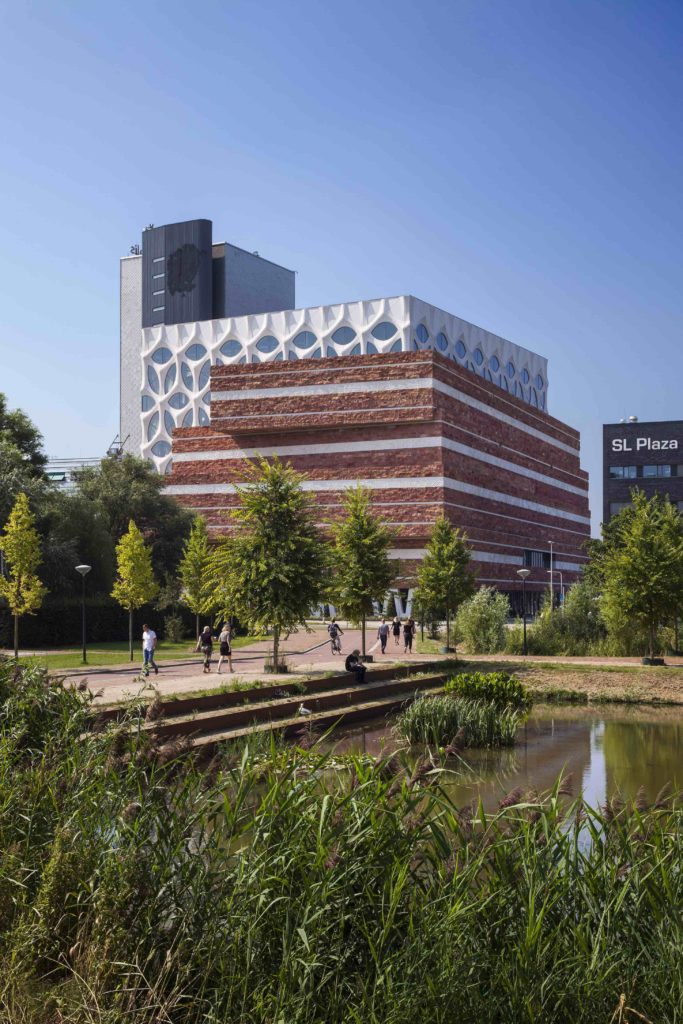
(177, 359)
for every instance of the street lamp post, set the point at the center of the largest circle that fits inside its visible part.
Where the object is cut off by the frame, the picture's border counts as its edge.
(552, 593)
(559, 573)
(83, 570)
(523, 573)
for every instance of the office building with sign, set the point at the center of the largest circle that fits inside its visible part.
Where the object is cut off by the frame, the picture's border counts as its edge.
(648, 456)
(430, 412)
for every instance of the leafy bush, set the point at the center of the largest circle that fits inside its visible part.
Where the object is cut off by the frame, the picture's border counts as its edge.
(436, 720)
(497, 687)
(174, 629)
(480, 624)
(578, 629)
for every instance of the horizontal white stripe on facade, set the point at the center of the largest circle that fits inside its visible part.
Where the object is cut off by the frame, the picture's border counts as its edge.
(390, 483)
(477, 556)
(392, 444)
(372, 387)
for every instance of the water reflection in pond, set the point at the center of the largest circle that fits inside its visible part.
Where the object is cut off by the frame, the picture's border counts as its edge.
(607, 750)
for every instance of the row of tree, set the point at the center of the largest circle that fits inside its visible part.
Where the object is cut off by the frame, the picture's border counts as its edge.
(271, 569)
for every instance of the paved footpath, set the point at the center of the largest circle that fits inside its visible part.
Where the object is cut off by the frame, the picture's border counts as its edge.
(305, 653)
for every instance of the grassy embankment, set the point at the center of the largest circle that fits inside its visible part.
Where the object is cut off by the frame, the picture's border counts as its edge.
(116, 653)
(137, 885)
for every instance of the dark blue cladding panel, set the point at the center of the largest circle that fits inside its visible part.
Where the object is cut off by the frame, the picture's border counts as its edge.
(177, 274)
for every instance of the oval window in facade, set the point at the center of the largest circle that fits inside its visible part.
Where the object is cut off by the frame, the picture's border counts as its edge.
(161, 448)
(343, 336)
(231, 348)
(195, 352)
(267, 343)
(178, 401)
(305, 339)
(383, 331)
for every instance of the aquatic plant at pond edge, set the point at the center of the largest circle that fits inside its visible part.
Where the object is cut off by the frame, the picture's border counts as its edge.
(499, 687)
(436, 720)
(141, 888)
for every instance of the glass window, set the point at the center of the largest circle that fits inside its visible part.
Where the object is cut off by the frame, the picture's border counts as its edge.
(186, 374)
(169, 466)
(305, 339)
(539, 381)
(161, 448)
(396, 347)
(187, 418)
(383, 331)
(537, 559)
(505, 384)
(231, 348)
(487, 375)
(525, 376)
(207, 398)
(441, 341)
(460, 349)
(421, 333)
(494, 363)
(195, 352)
(204, 375)
(178, 401)
(371, 348)
(615, 507)
(510, 369)
(169, 422)
(162, 355)
(204, 420)
(267, 343)
(153, 379)
(651, 471)
(152, 426)
(478, 356)
(622, 472)
(147, 403)
(332, 352)
(343, 335)
(169, 379)
(534, 397)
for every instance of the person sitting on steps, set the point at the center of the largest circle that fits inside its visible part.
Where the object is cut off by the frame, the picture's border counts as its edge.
(355, 665)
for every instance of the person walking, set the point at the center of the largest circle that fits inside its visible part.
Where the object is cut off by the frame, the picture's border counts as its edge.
(355, 665)
(149, 642)
(396, 630)
(408, 637)
(225, 648)
(335, 631)
(205, 645)
(383, 634)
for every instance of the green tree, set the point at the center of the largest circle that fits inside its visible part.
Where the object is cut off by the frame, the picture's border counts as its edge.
(135, 584)
(270, 571)
(480, 622)
(362, 572)
(444, 579)
(194, 571)
(17, 431)
(20, 545)
(128, 488)
(638, 565)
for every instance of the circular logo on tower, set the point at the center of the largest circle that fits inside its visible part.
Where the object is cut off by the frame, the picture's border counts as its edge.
(181, 269)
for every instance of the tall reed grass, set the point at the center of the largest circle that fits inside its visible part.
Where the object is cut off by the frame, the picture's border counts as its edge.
(138, 885)
(436, 720)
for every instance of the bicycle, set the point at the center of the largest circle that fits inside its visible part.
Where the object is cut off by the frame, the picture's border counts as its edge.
(335, 644)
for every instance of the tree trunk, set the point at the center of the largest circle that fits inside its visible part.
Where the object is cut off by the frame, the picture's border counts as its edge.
(276, 647)
(676, 648)
(363, 636)
(196, 624)
(448, 631)
(130, 633)
(653, 639)
(16, 636)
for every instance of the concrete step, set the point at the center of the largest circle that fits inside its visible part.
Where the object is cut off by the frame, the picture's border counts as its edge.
(339, 705)
(259, 694)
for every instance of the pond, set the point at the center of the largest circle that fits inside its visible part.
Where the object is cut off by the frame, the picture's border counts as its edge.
(608, 750)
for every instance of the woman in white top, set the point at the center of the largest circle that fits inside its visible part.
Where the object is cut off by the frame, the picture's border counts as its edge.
(225, 648)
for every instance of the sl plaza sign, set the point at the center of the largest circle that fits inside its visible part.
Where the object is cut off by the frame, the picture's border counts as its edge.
(621, 444)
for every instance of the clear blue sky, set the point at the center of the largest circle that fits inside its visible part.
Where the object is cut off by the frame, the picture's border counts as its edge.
(517, 163)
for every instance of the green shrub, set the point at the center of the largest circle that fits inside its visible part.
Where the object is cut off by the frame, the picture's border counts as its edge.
(174, 629)
(436, 720)
(497, 687)
(480, 624)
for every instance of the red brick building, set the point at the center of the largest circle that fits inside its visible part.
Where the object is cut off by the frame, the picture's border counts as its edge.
(424, 434)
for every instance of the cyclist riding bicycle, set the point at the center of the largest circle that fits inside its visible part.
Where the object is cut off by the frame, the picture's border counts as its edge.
(335, 632)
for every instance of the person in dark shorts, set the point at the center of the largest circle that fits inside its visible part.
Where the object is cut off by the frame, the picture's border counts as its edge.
(355, 665)
(224, 648)
(408, 636)
(396, 630)
(205, 645)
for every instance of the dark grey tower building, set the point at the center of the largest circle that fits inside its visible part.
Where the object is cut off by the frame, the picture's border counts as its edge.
(183, 277)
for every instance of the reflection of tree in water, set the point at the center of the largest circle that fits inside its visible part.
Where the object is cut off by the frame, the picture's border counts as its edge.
(642, 754)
